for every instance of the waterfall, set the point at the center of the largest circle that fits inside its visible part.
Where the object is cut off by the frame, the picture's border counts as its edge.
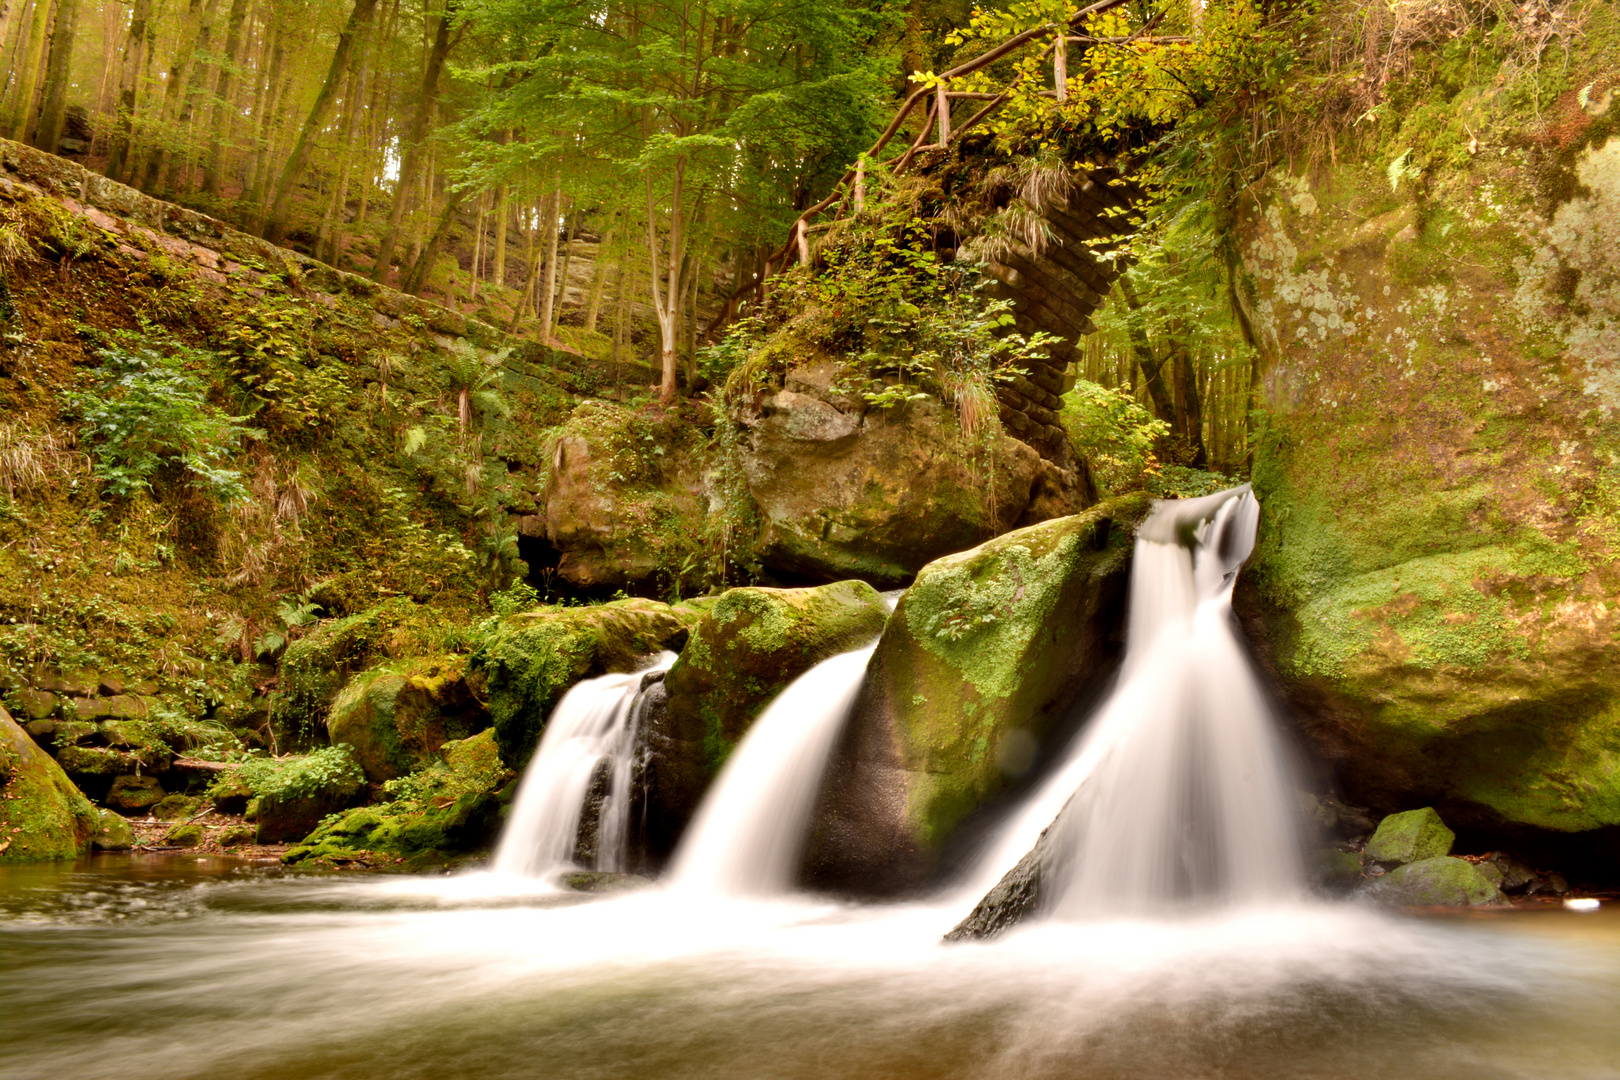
(583, 764)
(750, 831)
(1177, 793)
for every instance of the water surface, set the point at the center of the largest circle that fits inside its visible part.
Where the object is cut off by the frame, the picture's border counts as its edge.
(142, 967)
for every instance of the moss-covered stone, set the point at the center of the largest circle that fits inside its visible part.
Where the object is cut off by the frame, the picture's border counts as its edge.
(185, 836)
(1409, 837)
(531, 658)
(443, 810)
(316, 666)
(395, 719)
(747, 646)
(1437, 562)
(843, 492)
(135, 793)
(750, 644)
(1438, 881)
(980, 658)
(42, 815)
(113, 833)
(175, 807)
(293, 795)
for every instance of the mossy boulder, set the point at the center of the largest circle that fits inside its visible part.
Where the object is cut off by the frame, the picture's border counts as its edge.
(42, 815)
(531, 658)
(315, 667)
(293, 795)
(1438, 881)
(844, 491)
(395, 720)
(113, 833)
(1410, 837)
(449, 808)
(175, 807)
(747, 646)
(1435, 576)
(982, 657)
(623, 500)
(135, 793)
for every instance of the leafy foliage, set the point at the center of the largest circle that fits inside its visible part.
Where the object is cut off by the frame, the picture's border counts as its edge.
(293, 778)
(150, 413)
(1113, 433)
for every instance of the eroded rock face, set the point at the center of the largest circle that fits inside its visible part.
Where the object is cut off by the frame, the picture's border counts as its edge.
(42, 815)
(977, 664)
(1434, 581)
(849, 491)
(742, 652)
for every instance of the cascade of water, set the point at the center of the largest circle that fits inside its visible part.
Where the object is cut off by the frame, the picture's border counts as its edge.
(750, 831)
(591, 731)
(1178, 792)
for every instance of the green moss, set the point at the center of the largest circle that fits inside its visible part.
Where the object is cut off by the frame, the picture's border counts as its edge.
(450, 807)
(1438, 881)
(1410, 837)
(314, 667)
(529, 660)
(750, 644)
(42, 815)
(985, 643)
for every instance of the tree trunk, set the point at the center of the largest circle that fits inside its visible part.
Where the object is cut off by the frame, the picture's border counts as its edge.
(32, 55)
(598, 280)
(58, 73)
(275, 91)
(414, 150)
(222, 124)
(666, 295)
(548, 238)
(190, 29)
(1164, 407)
(359, 20)
(562, 292)
(416, 280)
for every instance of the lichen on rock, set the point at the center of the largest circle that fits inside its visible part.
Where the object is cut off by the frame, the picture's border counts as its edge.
(42, 815)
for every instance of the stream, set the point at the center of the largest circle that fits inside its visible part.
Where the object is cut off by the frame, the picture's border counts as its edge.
(152, 966)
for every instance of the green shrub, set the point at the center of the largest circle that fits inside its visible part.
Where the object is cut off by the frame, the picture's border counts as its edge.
(321, 770)
(150, 413)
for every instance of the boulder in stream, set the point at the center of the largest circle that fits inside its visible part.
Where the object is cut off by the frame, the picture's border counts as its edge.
(396, 720)
(1411, 836)
(1435, 882)
(982, 658)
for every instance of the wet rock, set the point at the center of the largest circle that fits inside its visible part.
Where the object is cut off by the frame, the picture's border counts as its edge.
(533, 657)
(135, 793)
(1437, 881)
(229, 793)
(1507, 872)
(743, 650)
(1011, 900)
(1336, 869)
(294, 795)
(42, 815)
(113, 833)
(1409, 837)
(984, 653)
(237, 835)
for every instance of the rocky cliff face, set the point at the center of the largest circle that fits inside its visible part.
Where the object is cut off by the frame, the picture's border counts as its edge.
(1436, 574)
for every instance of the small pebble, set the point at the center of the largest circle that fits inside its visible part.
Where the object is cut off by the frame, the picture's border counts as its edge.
(1583, 904)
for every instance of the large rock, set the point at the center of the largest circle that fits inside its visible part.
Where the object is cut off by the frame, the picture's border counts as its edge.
(979, 662)
(113, 833)
(742, 652)
(1438, 881)
(395, 721)
(850, 492)
(623, 501)
(42, 815)
(1435, 574)
(536, 655)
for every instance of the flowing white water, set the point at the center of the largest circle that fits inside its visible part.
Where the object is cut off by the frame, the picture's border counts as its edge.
(1179, 790)
(592, 724)
(749, 833)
